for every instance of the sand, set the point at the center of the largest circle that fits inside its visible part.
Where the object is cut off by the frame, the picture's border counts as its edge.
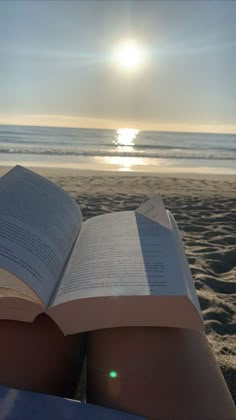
(204, 208)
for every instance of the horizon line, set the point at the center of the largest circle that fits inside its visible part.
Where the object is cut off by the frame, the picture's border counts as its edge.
(62, 121)
(115, 129)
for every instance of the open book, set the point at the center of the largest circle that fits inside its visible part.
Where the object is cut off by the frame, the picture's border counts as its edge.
(119, 269)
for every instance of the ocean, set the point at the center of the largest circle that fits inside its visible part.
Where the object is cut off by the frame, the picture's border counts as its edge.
(118, 150)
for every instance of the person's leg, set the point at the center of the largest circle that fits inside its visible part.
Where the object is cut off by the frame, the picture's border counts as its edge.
(159, 373)
(36, 356)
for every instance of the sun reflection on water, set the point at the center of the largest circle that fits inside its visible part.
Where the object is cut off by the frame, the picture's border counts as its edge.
(125, 142)
(125, 163)
(126, 136)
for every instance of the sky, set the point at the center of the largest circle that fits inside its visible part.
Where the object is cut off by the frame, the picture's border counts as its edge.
(57, 64)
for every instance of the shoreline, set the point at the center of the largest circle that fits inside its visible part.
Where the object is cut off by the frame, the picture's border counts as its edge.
(66, 171)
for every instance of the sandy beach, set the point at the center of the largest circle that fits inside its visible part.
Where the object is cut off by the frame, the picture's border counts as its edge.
(204, 208)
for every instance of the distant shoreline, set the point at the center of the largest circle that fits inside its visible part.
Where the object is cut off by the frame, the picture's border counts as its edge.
(231, 130)
(57, 171)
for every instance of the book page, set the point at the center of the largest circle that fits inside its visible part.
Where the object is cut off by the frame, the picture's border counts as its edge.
(39, 223)
(122, 254)
(154, 209)
(191, 291)
(9, 281)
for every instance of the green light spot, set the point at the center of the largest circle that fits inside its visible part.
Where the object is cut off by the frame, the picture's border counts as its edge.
(113, 374)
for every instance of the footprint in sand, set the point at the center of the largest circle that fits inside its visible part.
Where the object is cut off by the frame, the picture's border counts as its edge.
(220, 328)
(220, 286)
(218, 314)
(222, 262)
(204, 301)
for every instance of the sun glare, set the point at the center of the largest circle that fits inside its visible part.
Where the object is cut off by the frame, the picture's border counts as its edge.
(129, 55)
(126, 136)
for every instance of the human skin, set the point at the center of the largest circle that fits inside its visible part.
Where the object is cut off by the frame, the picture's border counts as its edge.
(161, 373)
(36, 356)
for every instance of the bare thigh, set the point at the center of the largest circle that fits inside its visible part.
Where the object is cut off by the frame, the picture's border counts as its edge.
(160, 373)
(36, 356)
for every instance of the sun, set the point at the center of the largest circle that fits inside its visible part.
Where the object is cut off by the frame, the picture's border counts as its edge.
(128, 55)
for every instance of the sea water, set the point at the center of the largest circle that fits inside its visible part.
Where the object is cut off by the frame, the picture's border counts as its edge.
(123, 149)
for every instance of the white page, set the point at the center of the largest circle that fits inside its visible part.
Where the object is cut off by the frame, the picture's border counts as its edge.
(190, 288)
(122, 253)
(154, 209)
(39, 223)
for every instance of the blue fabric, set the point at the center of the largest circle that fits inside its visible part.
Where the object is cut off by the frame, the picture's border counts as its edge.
(24, 405)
